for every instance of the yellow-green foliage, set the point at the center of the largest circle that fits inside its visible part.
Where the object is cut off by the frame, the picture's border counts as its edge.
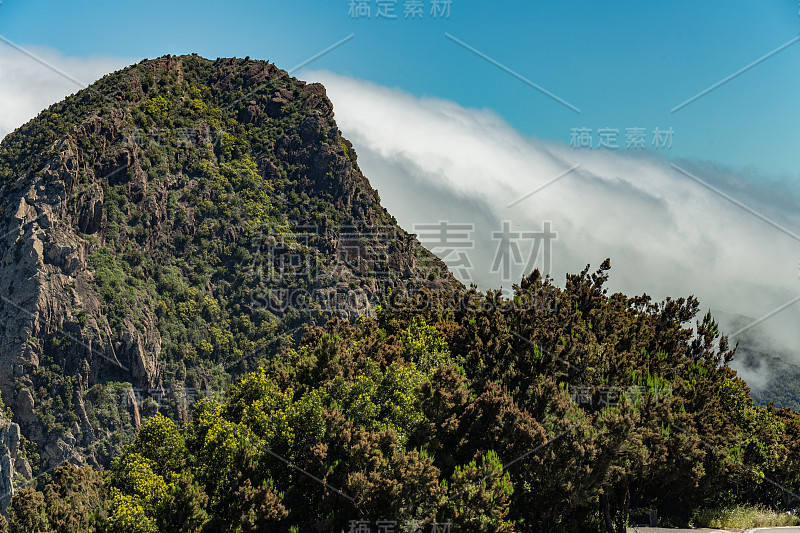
(424, 345)
(158, 108)
(477, 486)
(220, 442)
(128, 516)
(252, 190)
(348, 152)
(160, 441)
(275, 415)
(379, 399)
(135, 475)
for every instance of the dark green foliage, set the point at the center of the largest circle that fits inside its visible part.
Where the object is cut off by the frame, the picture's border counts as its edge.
(73, 502)
(27, 513)
(380, 419)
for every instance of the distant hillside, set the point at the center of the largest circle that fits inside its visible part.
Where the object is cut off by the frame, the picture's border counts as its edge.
(782, 378)
(764, 363)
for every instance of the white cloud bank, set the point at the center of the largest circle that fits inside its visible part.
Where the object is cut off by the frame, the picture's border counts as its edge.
(434, 160)
(666, 234)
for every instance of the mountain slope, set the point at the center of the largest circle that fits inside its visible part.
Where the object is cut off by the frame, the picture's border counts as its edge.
(782, 384)
(766, 363)
(168, 226)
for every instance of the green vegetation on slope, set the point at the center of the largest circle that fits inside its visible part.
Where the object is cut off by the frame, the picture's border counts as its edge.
(209, 205)
(412, 415)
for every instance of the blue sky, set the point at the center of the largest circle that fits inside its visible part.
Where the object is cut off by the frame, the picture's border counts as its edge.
(623, 64)
(446, 131)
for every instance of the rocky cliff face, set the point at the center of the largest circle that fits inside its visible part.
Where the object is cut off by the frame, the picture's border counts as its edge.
(11, 464)
(168, 227)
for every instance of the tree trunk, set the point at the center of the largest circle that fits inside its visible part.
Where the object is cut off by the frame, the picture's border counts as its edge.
(606, 512)
(622, 517)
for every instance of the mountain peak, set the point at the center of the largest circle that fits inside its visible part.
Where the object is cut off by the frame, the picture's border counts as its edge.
(170, 225)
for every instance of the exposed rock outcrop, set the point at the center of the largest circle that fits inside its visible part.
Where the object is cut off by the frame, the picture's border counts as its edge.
(9, 449)
(167, 223)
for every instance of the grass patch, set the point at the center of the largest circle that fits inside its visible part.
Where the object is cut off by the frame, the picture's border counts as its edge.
(742, 517)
